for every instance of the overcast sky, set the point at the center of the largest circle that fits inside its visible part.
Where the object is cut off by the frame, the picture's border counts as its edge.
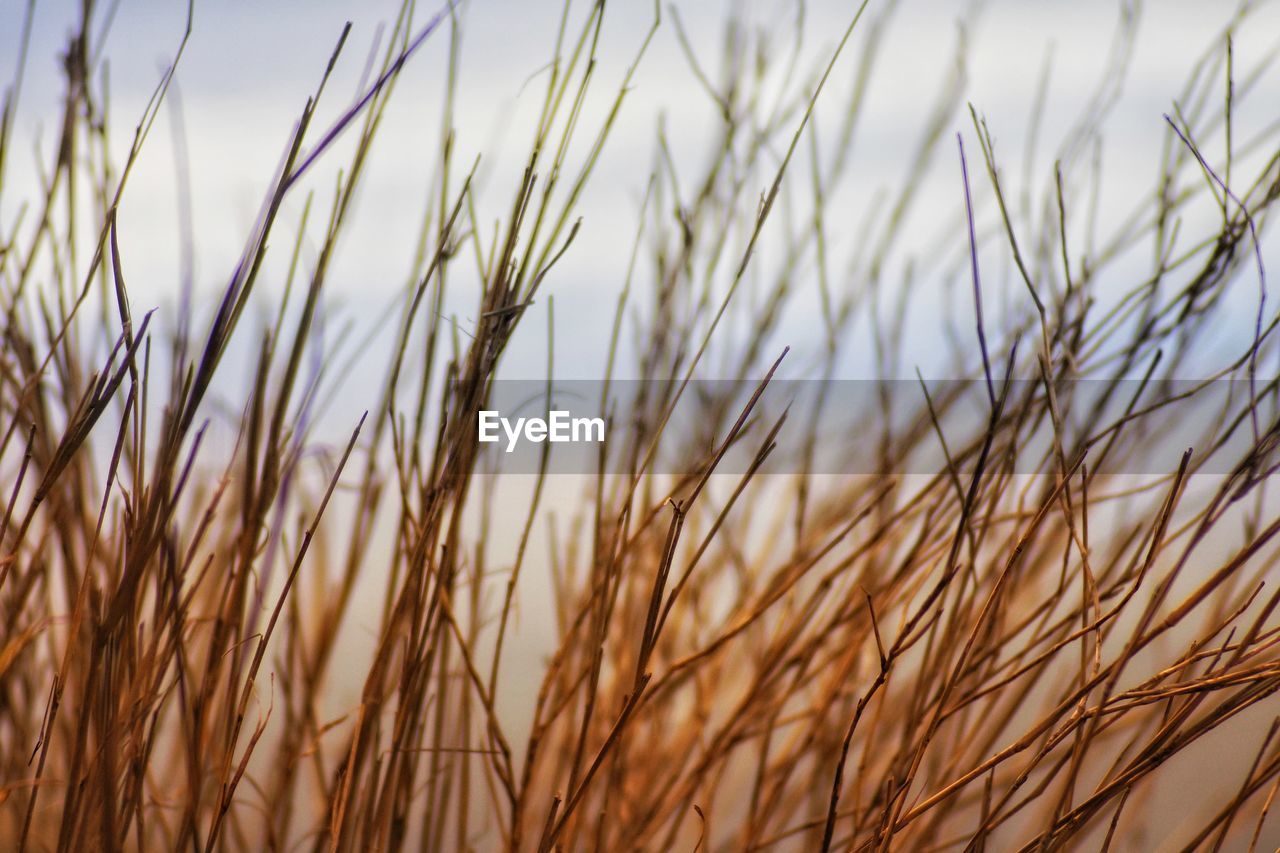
(250, 66)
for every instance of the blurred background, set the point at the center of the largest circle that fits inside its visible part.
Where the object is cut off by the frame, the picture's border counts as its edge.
(1030, 69)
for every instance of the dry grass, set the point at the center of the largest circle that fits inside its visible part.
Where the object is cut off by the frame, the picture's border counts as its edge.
(978, 656)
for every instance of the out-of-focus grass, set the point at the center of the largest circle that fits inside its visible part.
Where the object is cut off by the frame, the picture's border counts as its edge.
(886, 661)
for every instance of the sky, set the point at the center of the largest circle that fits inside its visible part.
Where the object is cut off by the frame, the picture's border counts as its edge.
(249, 68)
